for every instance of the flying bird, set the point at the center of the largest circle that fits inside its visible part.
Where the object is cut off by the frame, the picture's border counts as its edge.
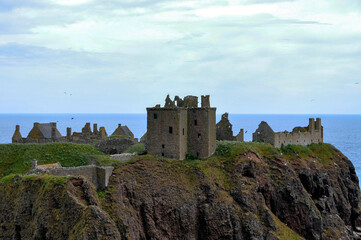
(312, 100)
(356, 82)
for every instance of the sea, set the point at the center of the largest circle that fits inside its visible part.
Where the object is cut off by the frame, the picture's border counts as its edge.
(342, 131)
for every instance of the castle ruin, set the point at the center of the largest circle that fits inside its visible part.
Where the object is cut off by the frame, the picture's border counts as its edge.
(224, 130)
(181, 127)
(313, 133)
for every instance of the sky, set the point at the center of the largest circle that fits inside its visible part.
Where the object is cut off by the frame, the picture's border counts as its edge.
(121, 56)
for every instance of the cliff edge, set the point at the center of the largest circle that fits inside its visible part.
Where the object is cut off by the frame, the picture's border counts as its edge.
(244, 191)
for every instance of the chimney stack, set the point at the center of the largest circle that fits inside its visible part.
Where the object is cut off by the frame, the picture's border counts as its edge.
(205, 101)
(53, 132)
(311, 125)
(95, 128)
(318, 124)
(68, 132)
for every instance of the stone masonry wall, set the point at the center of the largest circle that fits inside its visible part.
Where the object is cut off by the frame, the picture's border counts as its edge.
(183, 134)
(298, 138)
(160, 141)
(99, 176)
(202, 131)
(264, 133)
(212, 131)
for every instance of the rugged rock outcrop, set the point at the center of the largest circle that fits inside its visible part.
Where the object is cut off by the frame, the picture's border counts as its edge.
(254, 193)
(246, 191)
(49, 207)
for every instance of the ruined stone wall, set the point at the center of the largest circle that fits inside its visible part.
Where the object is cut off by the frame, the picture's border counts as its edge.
(103, 174)
(202, 131)
(164, 131)
(317, 136)
(299, 138)
(313, 134)
(240, 135)
(264, 133)
(114, 145)
(224, 129)
(99, 176)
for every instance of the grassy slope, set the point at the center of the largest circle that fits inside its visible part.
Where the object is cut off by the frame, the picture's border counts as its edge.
(16, 158)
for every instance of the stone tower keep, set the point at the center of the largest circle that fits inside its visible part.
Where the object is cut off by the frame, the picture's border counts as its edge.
(182, 128)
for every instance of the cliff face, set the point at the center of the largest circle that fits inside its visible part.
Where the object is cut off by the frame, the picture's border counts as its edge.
(48, 207)
(247, 191)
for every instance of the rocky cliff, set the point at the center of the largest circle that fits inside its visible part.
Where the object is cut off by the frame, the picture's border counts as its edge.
(245, 191)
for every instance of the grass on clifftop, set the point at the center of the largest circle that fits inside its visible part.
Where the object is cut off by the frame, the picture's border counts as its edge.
(232, 148)
(323, 152)
(17, 158)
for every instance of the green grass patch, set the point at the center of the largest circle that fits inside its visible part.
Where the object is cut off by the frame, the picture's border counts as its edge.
(233, 148)
(192, 162)
(284, 232)
(324, 153)
(7, 179)
(101, 194)
(105, 160)
(136, 148)
(17, 158)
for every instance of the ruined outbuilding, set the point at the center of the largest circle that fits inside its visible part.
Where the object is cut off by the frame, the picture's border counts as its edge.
(224, 130)
(124, 131)
(48, 132)
(98, 175)
(40, 133)
(181, 127)
(313, 133)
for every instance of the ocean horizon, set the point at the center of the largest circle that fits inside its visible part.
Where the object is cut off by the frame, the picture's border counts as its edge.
(341, 130)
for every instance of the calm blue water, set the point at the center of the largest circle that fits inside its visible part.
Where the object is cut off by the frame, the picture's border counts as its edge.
(343, 131)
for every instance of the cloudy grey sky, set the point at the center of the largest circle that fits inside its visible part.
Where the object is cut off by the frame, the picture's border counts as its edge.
(120, 56)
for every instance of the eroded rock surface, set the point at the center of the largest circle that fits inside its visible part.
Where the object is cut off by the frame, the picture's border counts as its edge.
(252, 191)
(48, 207)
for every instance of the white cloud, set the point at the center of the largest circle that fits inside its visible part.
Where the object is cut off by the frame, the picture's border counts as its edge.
(70, 2)
(263, 53)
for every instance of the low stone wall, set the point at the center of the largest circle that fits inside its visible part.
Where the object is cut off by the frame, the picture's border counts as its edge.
(123, 156)
(99, 176)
